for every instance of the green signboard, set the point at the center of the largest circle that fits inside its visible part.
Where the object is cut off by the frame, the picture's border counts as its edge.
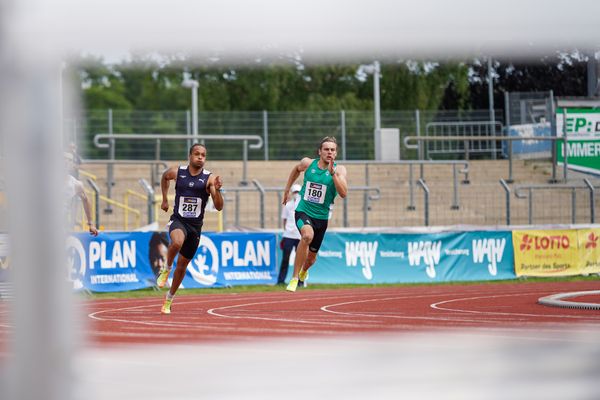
(583, 132)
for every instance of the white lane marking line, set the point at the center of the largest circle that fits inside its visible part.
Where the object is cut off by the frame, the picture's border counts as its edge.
(327, 308)
(437, 307)
(213, 311)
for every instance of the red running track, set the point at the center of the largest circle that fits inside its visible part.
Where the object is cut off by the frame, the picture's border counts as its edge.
(322, 313)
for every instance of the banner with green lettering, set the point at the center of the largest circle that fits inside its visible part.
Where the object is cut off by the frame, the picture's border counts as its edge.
(583, 132)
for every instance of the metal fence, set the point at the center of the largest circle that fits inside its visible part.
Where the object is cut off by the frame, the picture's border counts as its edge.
(528, 107)
(286, 135)
(401, 201)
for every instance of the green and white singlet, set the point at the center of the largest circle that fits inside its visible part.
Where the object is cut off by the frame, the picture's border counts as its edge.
(318, 192)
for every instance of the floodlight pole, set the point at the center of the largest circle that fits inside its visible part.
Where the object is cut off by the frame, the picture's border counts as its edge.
(193, 85)
(377, 109)
(376, 70)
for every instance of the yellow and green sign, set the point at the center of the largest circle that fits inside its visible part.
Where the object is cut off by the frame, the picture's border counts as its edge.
(556, 252)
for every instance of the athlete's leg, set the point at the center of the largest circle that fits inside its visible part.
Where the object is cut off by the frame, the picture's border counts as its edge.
(177, 239)
(178, 274)
(310, 260)
(307, 234)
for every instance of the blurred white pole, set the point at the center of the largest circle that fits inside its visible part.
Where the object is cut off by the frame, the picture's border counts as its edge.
(377, 110)
(492, 130)
(41, 344)
(375, 70)
(193, 85)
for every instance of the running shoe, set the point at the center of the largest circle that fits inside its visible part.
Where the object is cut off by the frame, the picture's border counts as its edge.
(293, 285)
(166, 308)
(303, 275)
(162, 277)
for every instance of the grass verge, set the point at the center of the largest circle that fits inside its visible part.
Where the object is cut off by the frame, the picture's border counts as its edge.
(150, 292)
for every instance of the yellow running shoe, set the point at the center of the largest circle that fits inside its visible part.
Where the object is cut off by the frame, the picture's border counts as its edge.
(166, 308)
(162, 277)
(293, 285)
(303, 275)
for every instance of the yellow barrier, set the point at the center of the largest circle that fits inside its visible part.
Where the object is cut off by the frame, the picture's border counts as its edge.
(117, 204)
(133, 193)
(87, 174)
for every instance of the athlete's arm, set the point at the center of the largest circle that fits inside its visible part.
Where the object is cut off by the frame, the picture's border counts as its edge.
(169, 174)
(339, 180)
(214, 188)
(294, 174)
(86, 207)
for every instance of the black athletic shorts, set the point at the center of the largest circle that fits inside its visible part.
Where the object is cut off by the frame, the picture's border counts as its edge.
(192, 236)
(319, 227)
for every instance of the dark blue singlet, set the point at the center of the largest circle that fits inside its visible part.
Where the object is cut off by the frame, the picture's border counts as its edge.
(191, 195)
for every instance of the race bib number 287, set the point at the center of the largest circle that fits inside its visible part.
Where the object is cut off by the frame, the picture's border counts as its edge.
(315, 192)
(190, 207)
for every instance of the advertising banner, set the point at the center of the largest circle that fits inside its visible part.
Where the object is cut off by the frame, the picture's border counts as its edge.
(583, 130)
(120, 261)
(393, 258)
(110, 262)
(530, 147)
(589, 250)
(546, 252)
(231, 258)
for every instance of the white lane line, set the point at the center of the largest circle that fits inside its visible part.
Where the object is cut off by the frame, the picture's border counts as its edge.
(213, 311)
(328, 309)
(461, 310)
(96, 314)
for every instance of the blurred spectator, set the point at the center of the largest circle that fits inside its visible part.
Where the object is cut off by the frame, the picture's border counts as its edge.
(76, 162)
(291, 234)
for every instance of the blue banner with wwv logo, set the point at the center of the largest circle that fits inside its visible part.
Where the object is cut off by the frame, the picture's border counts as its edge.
(427, 257)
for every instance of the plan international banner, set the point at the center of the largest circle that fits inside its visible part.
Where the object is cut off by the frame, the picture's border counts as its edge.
(120, 261)
(231, 258)
(110, 262)
(435, 257)
(583, 131)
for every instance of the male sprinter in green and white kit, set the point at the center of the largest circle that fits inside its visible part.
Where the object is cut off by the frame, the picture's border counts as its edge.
(323, 180)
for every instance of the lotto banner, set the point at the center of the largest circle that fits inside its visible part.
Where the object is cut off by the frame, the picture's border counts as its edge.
(435, 257)
(120, 261)
(589, 250)
(556, 252)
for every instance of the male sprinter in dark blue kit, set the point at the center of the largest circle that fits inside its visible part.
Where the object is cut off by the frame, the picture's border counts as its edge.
(193, 185)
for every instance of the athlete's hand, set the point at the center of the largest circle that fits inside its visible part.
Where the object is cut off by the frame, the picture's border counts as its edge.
(218, 182)
(286, 196)
(93, 230)
(330, 165)
(164, 205)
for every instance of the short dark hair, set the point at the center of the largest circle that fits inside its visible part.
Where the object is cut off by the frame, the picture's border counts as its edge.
(194, 145)
(327, 139)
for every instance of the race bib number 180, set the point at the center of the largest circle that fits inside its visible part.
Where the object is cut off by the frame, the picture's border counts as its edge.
(190, 207)
(315, 192)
